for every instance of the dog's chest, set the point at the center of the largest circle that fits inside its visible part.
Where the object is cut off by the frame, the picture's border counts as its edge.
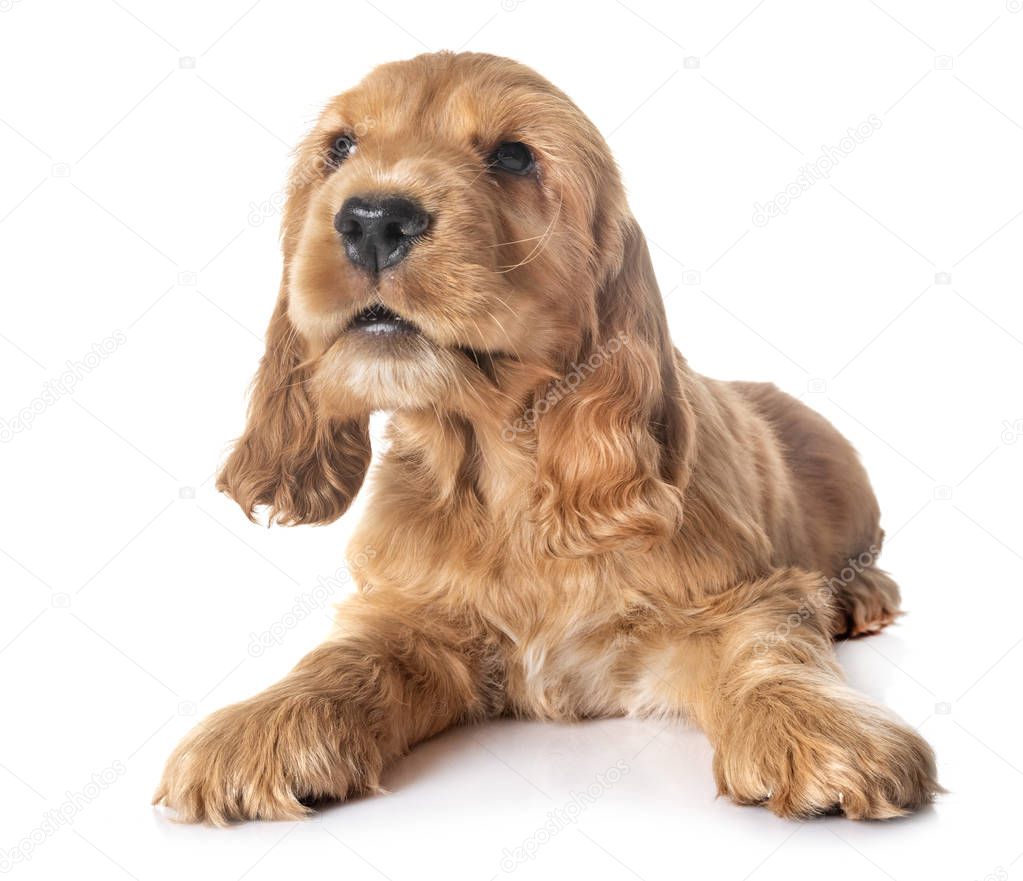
(571, 628)
(571, 653)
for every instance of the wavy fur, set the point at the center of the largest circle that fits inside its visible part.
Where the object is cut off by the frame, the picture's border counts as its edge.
(568, 521)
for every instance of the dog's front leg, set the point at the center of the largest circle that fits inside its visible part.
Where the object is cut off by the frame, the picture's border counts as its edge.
(389, 678)
(787, 731)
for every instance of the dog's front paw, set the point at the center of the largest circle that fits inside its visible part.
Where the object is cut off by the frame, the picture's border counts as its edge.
(266, 759)
(823, 757)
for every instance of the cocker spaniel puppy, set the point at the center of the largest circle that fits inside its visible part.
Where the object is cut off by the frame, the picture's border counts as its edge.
(568, 521)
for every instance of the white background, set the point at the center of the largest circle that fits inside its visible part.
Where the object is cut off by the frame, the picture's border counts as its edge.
(138, 142)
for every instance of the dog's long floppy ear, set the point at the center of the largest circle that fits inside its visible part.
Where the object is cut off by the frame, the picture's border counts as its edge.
(614, 446)
(304, 467)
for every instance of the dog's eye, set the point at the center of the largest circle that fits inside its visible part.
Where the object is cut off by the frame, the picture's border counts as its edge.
(340, 149)
(513, 157)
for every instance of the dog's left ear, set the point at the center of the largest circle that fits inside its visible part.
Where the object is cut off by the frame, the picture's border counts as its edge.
(613, 437)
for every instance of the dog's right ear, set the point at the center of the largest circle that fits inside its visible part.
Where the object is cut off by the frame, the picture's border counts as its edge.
(303, 466)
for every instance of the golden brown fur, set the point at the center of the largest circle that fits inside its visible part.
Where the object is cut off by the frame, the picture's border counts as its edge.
(568, 521)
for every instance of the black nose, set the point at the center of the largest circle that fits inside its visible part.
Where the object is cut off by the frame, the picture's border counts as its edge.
(379, 231)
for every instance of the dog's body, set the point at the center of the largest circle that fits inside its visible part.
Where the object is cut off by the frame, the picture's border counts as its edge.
(568, 521)
(570, 628)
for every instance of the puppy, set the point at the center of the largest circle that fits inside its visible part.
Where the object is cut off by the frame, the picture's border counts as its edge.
(568, 521)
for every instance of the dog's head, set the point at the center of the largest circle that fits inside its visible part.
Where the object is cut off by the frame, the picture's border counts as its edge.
(456, 237)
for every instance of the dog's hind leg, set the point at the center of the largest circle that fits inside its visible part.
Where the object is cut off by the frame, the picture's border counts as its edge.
(867, 600)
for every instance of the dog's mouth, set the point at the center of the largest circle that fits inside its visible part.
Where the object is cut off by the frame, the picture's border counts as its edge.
(378, 320)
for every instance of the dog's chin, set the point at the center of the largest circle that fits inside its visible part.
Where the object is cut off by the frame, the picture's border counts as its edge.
(383, 361)
(387, 368)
